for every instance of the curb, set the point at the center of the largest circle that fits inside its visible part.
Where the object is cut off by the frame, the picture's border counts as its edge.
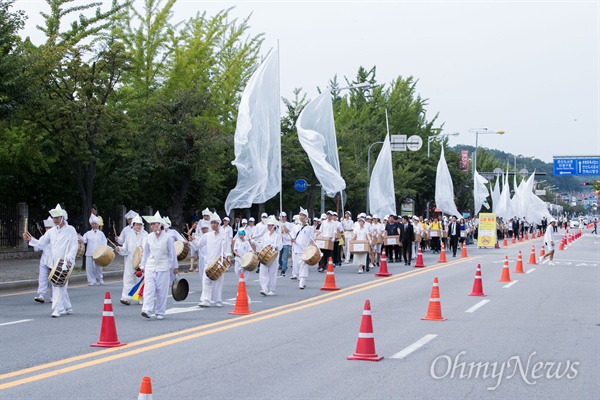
(32, 284)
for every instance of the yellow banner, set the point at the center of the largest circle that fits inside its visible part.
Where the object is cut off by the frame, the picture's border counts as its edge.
(487, 230)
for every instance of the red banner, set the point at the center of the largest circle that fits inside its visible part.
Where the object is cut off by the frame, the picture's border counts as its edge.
(464, 161)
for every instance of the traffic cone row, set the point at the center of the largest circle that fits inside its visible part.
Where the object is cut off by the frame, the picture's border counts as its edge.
(477, 284)
(383, 270)
(532, 260)
(443, 254)
(330, 277)
(145, 389)
(108, 328)
(519, 265)
(419, 263)
(365, 346)
(505, 277)
(241, 300)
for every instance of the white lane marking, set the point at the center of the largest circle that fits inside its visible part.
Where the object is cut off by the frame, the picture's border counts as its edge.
(509, 284)
(416, 345)
(179, 310)
(476, 306)
(530, 270)
(16, 322)
(190, 292)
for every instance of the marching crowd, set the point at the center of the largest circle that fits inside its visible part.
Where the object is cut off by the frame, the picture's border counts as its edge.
(214, 244)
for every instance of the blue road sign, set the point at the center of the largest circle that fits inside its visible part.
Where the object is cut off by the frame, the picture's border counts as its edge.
(300, 185)
(576, 166)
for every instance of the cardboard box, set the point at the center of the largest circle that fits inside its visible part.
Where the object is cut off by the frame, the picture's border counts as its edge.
(324, 243)
(417, 237)
(392, 240)
(338, 235)
(463, 233)
(435, 233)
(359, 246)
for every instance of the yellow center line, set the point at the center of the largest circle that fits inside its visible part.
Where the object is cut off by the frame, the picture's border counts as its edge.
(204, 330)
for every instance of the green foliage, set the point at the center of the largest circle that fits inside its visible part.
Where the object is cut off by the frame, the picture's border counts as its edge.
(11, 81)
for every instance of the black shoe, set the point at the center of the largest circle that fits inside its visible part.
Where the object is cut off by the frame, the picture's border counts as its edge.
(283, 274)
(409, 263)
(320, 269)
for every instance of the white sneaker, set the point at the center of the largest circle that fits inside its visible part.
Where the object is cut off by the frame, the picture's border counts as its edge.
(203, 304)
(160, 316)
(546, 261)
(360, 270)
(263, 292)
(271, 293)
(55, 314)
(68, 311)
(301, 287)
(551, 263)
(39, 299)
(218, 304)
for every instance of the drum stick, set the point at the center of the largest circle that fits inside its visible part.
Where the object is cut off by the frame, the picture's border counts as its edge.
(111, 242)
(39, 229)
(114, 229)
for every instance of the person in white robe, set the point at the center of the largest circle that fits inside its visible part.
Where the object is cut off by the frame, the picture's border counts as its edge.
(45, 266)
(63, 242)
(159, 261)
(93, 238)
(268, 273)
(304, 237)
(134, 240)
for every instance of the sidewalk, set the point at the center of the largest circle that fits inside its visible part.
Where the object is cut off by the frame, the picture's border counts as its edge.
(23, 273)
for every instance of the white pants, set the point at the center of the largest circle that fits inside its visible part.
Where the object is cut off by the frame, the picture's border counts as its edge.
(211, 290)
(60, 298)
(129, 278)
(268, 276)
(296, 258)
(93, 271)
(302, 271)
(43, 281)
(239, 270)
(156, 289)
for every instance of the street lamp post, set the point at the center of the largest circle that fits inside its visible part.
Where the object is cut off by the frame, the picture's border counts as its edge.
(369, 171)
(477, 132)
(438, 137)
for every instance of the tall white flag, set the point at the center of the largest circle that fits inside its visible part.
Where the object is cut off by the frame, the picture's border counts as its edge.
(257, 141)
(382, 196)
(481, 192)
(496, 194)
(444, 189)
(316, 132)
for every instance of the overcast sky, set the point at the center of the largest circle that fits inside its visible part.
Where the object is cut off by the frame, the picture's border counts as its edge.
(530, 68)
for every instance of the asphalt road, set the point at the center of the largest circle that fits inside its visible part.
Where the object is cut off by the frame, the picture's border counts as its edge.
(536, 338)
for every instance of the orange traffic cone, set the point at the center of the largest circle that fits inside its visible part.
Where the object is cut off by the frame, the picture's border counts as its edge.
(477, 284)
(505, 242)
(108, 329)
(419, 263)
(505, 272)
(241, 300)
(383, 271)
(365, 346)
(443, 254)
(145, 389)
(542, 251)
(464, 252)
(519, 265)
(330, 277)
(434, 311)
(521, 237)
(513, 240)
(562, 244)
(532, 256)
(526, 235)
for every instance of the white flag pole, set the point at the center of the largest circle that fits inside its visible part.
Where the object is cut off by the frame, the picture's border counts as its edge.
(279, 107)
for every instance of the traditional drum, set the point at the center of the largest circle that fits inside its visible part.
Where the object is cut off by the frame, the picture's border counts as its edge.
(217, 268)
(80, 251)
(311, 255)
(249, 261)
(59, 275)
(136, 258)
(267, 255)
(182, 249)
(103, 255)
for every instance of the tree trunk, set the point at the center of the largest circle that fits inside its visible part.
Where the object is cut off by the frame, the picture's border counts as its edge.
(179, 200)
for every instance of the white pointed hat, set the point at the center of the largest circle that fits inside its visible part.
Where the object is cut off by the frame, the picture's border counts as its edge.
(48, 223)
(94, 219)
(154, 218)
(272, 221)
(130, 214)
(167, 222)
(303, 211)
(206, 211)
(215, 217)
(58, 212)
(137, 220)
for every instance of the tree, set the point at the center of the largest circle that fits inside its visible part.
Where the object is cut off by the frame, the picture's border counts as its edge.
(73, 86)
(185, 101)
(11, 82)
